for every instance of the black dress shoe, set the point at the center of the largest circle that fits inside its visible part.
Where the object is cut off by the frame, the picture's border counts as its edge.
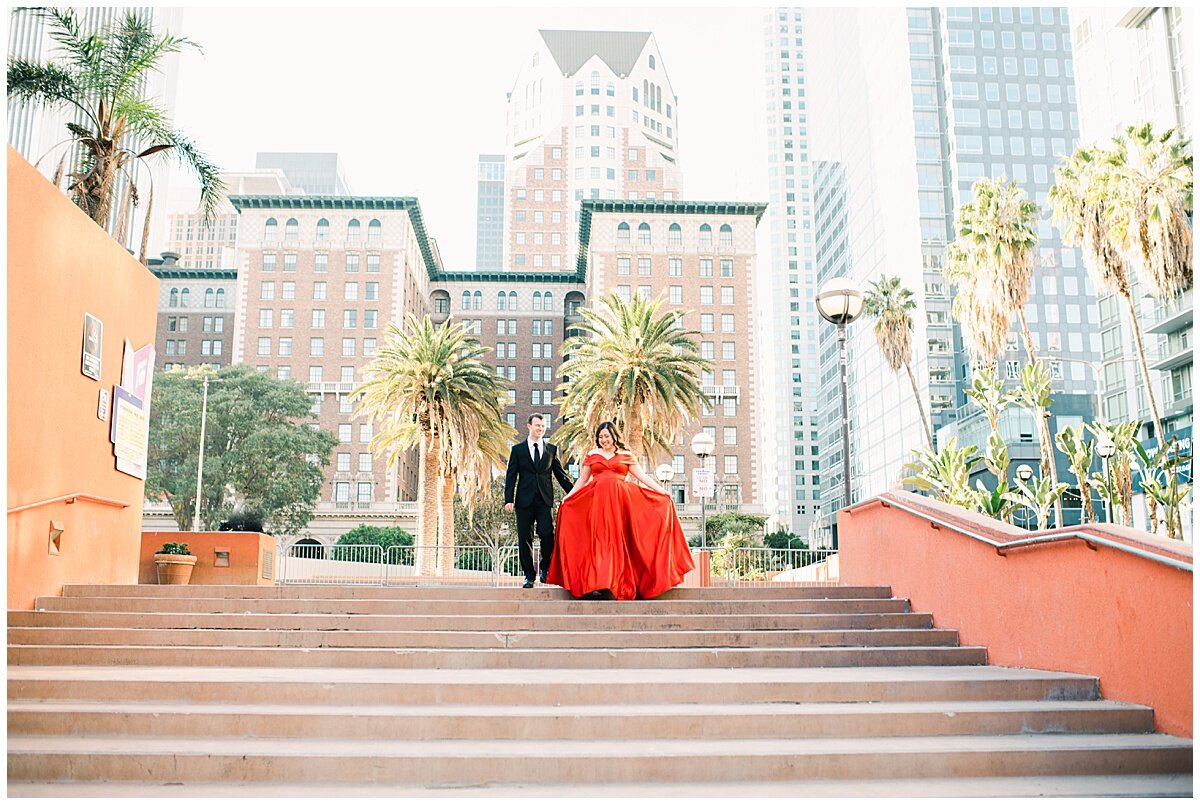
(542, 578)
(528, 584)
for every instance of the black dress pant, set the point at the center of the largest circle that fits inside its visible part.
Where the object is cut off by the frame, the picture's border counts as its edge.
(538, 513)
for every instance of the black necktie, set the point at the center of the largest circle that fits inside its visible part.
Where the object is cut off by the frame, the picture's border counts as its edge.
(537, 455)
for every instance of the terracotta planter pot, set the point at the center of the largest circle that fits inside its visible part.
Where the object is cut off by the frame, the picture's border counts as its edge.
(174, 568)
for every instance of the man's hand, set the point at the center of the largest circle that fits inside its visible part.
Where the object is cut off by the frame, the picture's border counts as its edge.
(508, 507)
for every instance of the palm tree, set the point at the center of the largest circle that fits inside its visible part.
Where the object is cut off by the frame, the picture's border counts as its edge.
(101, 77)
(992, 262)
(634, 365)
(1130, 204)
(892, 306)
(427, 387)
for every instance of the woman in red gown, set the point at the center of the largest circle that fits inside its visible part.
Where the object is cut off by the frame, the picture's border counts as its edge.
(615, 535)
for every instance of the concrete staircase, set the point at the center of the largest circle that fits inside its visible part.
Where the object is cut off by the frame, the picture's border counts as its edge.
(278, 691)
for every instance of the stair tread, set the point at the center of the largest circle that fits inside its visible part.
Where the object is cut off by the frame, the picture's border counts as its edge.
(526, 676)
(679, 747)
(438, 710)
(1067, 785)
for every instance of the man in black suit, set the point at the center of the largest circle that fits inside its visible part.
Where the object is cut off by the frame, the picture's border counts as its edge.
(530, 467)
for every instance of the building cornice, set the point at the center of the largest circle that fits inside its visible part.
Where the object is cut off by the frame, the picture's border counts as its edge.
(194, 273)
(408, 204)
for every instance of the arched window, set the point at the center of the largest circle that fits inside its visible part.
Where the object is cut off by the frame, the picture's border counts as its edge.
(705, 236)
(323, 229)
(478, 300)
(726, 236)
(220, 297)
(622, 232)
(537, 300)
(501, 301)
(272, 230)
(353, 230)
(579, 87)
(646, 93)
(466, 300)
(651, 61)
(174, 297)
(183, 297)
(595, 82)
(675, 236)
(548, 301)
(512, 300)
(374, 231)
(209, 297)
(644, 234)
(441, 302)
(291, 230)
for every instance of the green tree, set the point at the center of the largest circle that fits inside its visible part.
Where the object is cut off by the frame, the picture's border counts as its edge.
(717, 526)
(484, 525)
(891, 305)
(101, 77)
(636, 366)
(257, 449)
(384, 536)
(1131, 205)
(427, 387)
(992, 260)
(946, 473)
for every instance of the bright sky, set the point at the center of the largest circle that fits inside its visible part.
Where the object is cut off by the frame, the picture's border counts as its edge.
(410, 97)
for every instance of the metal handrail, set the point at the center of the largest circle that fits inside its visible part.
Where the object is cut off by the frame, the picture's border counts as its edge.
(1001, 547)
(71, 498)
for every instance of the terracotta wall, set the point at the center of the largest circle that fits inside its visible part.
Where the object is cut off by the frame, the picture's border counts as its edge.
(61, 265)
(1060, 607)
(251, 556)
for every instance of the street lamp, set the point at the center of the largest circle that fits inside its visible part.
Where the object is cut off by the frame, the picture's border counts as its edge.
(703, 446)
(840, 301)
(664, 473)
(200, 465)
(1025, 472)
(1106, 449)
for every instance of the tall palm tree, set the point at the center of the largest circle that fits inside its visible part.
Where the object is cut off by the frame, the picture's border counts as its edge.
(101, 76)
(428, 388)
(636, 365)
(1130, 203)
(891, 305)
(992, 262)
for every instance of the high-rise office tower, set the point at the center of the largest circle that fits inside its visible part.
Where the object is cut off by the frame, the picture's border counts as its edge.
(793, 461)
(40, 134)
(591, 115)
(1134, 65)
(910, 107)
(489, 213)
(316, 174)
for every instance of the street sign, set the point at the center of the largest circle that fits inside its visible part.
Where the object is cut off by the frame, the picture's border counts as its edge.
(703, 484)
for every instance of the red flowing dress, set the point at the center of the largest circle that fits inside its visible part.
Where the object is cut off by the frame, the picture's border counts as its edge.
(618, 536)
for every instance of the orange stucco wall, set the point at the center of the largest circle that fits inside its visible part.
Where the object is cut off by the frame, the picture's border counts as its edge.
(251, 556)
(61, 265)
(1060, 607)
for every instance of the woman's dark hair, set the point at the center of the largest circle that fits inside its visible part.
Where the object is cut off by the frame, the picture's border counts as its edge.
(612, 430)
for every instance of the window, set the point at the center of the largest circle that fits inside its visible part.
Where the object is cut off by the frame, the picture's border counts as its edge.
(707, 350)
(726, 236)
(321, 263)
(349, 347)
(318, 319)
(265, 319)
(267, 290)
(547, 304)
(676, 295)
(675, 267)
(373, 294)
(1012, 369)
(343, 462)
(349, 319)
(291, 230)
(285, 346)
(706, 322)
(352, 263)
(345, 436)
(351, 291)
(731, 464)
(264, 345)
(622, 232)
(320, 290)
(728, 351)
(644, 234)
(623, 266)
(729, 435)
(288, 291)
(706, 267)
(706, 294)
(371, 320)
(316, 347)
(374, 232)
(726, 268)
(727, 322)
(323, 229)
(726, 295)
(268, 263)
(353, 231)
(643, 266)
(271, 230)
(372, 264)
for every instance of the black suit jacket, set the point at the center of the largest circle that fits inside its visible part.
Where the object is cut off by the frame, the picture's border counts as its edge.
(531, 483)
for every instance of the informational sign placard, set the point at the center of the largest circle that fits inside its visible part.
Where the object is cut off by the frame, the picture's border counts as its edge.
(703, 484)
(102, 406)
(93, 343)
(129, 433)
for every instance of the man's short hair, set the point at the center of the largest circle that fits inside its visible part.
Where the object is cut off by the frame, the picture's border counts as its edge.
(533, 417)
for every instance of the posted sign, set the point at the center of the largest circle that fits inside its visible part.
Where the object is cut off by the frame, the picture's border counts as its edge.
(703, 483)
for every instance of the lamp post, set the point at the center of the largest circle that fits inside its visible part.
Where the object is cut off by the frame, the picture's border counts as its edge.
(664, 473)
(1107, 450)
(200, 464)
(703, 446)
(1025, 472)
(840, 301)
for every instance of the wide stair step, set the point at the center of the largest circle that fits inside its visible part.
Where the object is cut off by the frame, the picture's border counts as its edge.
(413, 691)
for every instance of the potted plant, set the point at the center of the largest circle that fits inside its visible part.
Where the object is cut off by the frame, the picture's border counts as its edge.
(174, 563)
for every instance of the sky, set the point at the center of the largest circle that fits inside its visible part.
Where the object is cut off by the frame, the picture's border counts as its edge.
(410, 97)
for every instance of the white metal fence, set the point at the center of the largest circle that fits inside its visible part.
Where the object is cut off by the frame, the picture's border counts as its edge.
(760, 566)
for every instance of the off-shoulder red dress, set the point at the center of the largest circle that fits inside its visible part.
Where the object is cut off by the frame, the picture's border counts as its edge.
(619, 536)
